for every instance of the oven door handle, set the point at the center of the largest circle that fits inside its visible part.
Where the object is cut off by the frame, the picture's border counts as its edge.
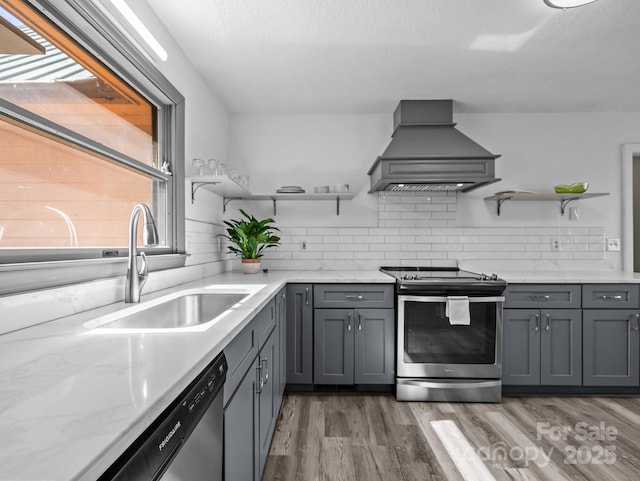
(445, 298)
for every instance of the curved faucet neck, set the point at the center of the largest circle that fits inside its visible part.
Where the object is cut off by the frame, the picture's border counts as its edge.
(135, 279)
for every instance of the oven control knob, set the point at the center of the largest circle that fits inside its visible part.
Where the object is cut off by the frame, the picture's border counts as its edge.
(494, 277)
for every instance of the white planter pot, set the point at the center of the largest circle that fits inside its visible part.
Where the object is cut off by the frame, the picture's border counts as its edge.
(250, 266)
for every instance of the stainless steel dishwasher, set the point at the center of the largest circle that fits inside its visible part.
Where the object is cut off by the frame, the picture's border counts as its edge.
(186, 442)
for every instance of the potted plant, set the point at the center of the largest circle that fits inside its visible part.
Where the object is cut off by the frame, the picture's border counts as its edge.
(250, 237)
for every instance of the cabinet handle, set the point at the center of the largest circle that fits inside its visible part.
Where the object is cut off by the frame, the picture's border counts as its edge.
(611, 298)
(259, 382)
(351, 297)
(306, 296)
(265, 362)
(537, 326)
(637, 318)
(541, 298)
(359, 321)
(348, 321)
(548, 316)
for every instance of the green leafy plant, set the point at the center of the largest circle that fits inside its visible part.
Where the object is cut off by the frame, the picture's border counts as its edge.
(251, 236)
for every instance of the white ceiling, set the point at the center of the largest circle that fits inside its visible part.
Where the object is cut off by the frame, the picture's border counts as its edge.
(363, 56)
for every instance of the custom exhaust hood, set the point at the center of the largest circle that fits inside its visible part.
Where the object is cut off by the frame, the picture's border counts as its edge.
(428, 154)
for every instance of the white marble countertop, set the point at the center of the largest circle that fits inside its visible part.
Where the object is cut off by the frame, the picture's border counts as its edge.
(72, 399)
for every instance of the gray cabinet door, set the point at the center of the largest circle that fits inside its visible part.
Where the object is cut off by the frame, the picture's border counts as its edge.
(268, 407)
(333, 346)
(241, 430)
(611, 347)
(299, 336)
(521, 347)
(374, 346)
(281, 317)
(561, 347)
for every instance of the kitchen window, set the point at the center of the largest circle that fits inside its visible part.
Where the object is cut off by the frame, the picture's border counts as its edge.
(88, 128)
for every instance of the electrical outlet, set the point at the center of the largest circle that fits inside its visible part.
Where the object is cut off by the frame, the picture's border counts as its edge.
(303, 245)
(574, 213)
(613, 245)
(555, 244)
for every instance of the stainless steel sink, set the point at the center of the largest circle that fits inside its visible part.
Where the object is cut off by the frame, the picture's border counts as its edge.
(185, 311)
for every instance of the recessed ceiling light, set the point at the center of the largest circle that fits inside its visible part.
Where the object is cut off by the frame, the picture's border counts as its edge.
(567, 3)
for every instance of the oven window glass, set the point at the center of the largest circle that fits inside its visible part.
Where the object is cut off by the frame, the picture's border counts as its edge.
(430, 338)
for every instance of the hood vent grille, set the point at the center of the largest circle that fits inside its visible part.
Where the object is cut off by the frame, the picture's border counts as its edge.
(428, 154)
(427, 187)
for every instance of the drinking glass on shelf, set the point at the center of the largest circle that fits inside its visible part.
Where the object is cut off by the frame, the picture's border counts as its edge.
(221, 169)
(212, 165)
(233, 174)
(243, 180)
(199, 166)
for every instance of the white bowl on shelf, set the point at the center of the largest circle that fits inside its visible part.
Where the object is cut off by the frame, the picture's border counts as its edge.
(340, 188)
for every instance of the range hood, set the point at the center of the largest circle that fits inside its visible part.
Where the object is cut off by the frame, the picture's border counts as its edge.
(428, 154)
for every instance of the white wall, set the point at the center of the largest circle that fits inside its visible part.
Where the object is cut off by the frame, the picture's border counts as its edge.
(538, 151)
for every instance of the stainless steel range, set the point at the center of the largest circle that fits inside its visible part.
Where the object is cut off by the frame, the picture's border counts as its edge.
(449, 334)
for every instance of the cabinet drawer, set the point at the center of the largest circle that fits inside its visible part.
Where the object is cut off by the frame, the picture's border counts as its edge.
(241, 354)
(552, 296)
(243, 349)
(613, 296)
(353, 295)
(265, 322)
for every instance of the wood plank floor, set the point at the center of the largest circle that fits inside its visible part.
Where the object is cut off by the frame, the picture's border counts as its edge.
(371, 437)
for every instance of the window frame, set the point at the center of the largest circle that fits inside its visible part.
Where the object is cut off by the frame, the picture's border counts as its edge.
(86, 24)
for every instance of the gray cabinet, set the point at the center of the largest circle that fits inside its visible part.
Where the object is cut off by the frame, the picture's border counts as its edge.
(268, 376)
(542, 335)
(542, 347)
(611, 343)
(281, 321)
(299, 335)
(334, 296)
(240, 433)
(543, 296)
(251, 397)
(333, 346)
(611, 347)
(354, 333)
(610, 296)
(572, 335)
(374, 352)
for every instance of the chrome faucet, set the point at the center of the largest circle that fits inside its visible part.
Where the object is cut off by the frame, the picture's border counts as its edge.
(136, 279)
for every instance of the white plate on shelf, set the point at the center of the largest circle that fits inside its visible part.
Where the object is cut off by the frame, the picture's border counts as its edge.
(290, 191)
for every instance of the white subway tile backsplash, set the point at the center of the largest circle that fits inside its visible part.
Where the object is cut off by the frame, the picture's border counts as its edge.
(308, 255)
(338, 255)
(353, 231)
(323, 231)
(421, 229)
(399, 255)
(384, 247)
(352, 247)
(338, 239)
(383, 231)
(293, 230)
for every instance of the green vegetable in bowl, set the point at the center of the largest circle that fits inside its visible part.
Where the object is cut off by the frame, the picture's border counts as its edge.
(575, 188)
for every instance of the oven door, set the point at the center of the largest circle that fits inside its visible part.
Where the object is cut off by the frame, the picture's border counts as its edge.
(430, 346)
